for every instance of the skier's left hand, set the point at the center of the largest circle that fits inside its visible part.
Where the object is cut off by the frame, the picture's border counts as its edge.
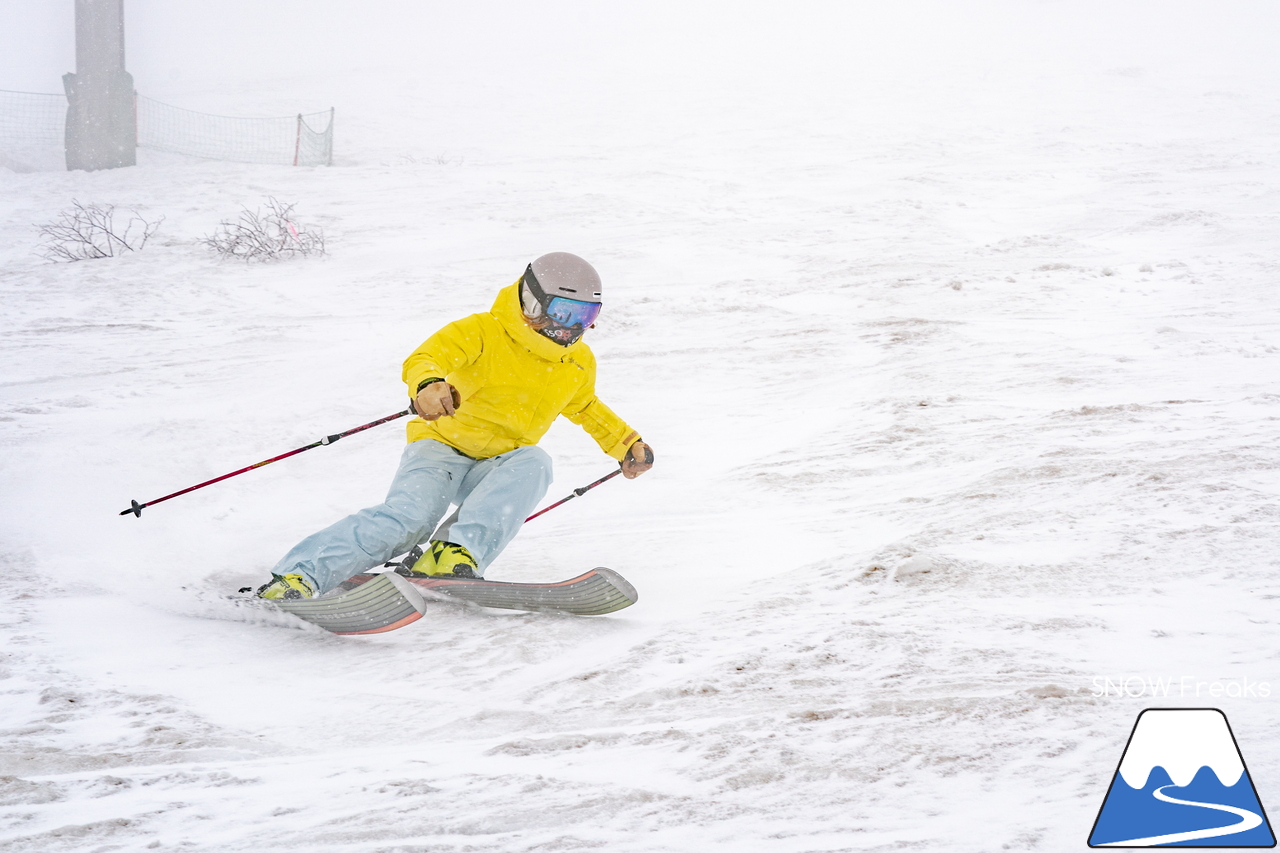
(639, 459)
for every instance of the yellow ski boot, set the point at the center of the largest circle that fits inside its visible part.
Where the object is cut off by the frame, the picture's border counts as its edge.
(287, 587)
(445, 560)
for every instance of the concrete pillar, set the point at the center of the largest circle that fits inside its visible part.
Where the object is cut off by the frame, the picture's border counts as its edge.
(102, 131)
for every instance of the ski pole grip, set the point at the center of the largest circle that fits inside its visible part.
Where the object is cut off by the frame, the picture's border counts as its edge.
(648, 454)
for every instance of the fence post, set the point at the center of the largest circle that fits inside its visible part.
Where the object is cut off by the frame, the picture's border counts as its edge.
(297, 140)
(329, 158)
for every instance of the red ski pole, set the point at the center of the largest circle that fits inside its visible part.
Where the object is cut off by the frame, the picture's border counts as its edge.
(137, 508)
(577, 493)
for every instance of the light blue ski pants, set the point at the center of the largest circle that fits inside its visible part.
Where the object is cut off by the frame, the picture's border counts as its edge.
(493, 497)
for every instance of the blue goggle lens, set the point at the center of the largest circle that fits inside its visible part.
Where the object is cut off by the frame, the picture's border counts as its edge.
(571, 312)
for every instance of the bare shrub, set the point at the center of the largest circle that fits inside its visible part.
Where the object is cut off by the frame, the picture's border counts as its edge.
(86, 232)
(269, 236)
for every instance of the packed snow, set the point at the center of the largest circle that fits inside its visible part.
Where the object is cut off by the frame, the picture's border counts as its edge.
(954, 328)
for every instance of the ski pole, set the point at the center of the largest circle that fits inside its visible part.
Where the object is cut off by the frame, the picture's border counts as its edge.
(577, 493)
(137, 508)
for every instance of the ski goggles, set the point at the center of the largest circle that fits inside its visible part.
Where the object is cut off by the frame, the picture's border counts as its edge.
(572, 312)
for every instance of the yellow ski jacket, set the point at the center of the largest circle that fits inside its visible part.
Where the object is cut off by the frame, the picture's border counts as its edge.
(513, 383)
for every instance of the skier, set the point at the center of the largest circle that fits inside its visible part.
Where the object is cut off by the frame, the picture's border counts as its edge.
(486, 388)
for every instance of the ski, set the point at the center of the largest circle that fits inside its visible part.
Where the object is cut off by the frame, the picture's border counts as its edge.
(372, 603)
(594, 593)
(385, 603)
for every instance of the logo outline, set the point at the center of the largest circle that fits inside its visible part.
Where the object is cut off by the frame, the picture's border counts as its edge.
(1116, 776)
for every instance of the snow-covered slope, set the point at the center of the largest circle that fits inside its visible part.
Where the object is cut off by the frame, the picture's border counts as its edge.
(955, 333)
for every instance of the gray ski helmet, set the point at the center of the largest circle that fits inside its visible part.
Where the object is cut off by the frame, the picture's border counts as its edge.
(560, 296)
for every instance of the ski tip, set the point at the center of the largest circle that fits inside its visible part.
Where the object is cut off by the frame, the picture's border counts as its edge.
(619, 583)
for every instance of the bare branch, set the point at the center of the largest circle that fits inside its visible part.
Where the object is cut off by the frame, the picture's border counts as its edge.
(88, 232)
(270, 236)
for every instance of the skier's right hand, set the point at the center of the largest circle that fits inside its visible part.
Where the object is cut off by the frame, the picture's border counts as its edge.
(437, 400)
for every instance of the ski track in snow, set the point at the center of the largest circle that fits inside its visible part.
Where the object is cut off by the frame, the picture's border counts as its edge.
(957, 406)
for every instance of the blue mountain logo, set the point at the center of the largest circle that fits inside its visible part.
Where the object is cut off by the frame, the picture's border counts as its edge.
(1182, 783)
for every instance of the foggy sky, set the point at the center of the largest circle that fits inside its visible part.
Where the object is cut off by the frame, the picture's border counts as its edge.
(198, 43)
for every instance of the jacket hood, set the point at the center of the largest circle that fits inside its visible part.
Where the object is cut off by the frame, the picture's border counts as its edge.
(507, 309)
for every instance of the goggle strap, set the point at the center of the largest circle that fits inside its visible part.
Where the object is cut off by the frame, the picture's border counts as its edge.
(535, 286)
